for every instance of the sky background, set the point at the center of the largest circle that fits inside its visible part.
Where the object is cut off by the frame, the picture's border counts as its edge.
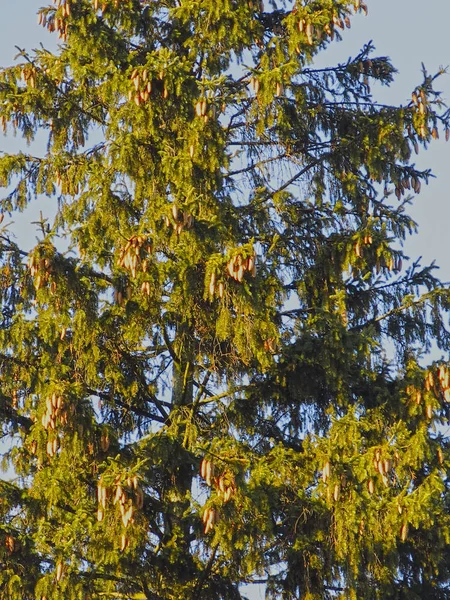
(408, 31)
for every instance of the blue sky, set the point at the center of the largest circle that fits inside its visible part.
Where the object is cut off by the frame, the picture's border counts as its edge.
(408, 31)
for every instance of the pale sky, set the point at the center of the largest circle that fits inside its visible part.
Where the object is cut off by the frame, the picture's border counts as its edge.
(408, 31)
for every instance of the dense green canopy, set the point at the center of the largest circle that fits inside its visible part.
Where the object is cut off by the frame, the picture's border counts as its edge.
(212, 362)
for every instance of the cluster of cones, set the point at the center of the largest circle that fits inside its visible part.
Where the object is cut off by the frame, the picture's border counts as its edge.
(225, 486)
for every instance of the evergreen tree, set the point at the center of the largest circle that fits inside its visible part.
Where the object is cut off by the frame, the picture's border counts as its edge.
(192, 362)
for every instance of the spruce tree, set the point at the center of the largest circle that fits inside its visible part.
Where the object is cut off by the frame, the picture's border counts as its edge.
(213, 361)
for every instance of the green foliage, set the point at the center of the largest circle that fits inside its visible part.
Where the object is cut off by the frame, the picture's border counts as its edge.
(193, 375)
